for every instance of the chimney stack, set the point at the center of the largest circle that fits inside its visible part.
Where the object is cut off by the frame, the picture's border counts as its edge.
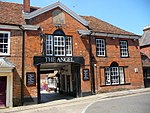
(26, 6)
(146, 29)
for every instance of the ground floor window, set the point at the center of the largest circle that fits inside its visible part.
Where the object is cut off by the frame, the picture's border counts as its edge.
(114, 74)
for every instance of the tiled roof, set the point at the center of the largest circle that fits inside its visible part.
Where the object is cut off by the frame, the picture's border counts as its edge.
(11, 13)
(102, 26)
(145, 40)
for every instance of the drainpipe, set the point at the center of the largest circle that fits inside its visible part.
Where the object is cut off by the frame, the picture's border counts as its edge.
(91, 66)
(23, 56)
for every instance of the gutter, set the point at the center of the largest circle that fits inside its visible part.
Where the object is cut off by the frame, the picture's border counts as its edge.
(111, 35)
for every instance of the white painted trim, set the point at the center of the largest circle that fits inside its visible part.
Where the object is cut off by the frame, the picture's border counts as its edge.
(88, 32)
(52, 6)
(116, 35)
(8, 53)
(9, 27)
(30, 27)
(24, 27)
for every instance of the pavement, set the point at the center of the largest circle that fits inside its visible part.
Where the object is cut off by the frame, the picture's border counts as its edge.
(74, 105)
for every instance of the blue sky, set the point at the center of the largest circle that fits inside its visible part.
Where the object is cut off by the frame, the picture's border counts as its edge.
(130, 15)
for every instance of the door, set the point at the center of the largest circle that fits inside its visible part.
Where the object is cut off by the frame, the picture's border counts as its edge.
(3, 80)
(146, 74)
(76, 80)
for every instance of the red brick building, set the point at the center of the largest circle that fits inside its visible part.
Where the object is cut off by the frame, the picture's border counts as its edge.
(90, 55)
(145, 54)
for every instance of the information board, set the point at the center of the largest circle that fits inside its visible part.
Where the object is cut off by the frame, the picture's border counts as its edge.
(30, 79)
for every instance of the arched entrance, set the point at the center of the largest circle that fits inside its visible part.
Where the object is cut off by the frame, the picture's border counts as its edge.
(60, 78)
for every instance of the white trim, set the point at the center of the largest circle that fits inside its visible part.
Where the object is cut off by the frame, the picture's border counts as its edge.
(8, 50)
(9, 27)
(112, 35)
(52, 6)
(30, 27)
(116, 35)
(84, 32)
(24, 27)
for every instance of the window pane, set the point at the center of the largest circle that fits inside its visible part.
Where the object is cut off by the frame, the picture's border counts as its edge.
(114, 75)
(121, 72)
(100, 47)
(4, 43)
(49, 45)
(107, 76)
(124, 49)
(68, 46)
(59, 45)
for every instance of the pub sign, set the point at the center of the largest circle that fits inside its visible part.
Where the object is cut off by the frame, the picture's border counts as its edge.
(30, 79)
(86, 74)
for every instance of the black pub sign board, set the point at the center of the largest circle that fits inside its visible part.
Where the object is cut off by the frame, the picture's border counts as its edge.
(86, 74)
(30, 79)
(54, 59)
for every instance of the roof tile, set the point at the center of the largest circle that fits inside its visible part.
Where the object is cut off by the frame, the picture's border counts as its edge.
(11, 13)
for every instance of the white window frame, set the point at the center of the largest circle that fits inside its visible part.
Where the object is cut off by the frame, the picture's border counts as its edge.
(69, 46)
(100, 47)
(59, 44)
(107, 76)
(114, 73)
(124, 48)
(49, 44)
(52, 43)
(8, 48)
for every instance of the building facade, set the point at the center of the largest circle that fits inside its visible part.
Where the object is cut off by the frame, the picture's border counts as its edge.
(89, 55)
(145, 54)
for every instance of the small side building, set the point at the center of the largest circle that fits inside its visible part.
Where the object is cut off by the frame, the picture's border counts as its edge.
(145, 55)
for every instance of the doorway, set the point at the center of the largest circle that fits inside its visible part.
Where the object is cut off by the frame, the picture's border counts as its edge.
(146, 73)
(3, 81)
(58, 81)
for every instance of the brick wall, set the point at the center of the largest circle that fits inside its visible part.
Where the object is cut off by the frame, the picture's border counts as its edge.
(113, 55)
(146, 50)
(16, 58)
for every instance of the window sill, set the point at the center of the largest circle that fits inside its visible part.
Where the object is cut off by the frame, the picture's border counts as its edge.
(115, 85)
(124, 56)
(3, 55)
(102, 56)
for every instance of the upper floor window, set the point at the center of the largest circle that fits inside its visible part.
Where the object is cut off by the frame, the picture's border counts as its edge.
(100, 47)
(124, 49)
(58, 44)
(4, 43)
